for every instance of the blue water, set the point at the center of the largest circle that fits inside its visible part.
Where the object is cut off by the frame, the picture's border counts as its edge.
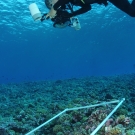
(33, 51)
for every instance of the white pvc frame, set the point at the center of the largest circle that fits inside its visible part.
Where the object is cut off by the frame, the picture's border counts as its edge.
(84, 107)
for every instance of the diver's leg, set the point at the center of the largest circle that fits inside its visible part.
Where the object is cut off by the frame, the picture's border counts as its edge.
(125, 6)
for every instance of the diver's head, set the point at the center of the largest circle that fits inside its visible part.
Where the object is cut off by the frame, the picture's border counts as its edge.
(50, 3)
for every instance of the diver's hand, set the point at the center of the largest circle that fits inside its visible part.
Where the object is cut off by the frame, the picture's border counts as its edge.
(43, 17)
(51, 14)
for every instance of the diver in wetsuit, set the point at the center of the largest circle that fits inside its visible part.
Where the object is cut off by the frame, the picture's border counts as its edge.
(85, 5)
(63, 19)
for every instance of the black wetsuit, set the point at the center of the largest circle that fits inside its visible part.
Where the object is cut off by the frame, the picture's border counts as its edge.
(85, 5)
(62, 19)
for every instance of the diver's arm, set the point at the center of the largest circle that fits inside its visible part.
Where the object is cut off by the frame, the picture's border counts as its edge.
(56, 6)
(82, 10)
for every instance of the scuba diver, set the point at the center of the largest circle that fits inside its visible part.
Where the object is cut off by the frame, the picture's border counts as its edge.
(63, 19)
(85, 5)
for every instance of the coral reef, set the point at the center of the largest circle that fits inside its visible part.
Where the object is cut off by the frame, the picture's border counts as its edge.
(25, 106)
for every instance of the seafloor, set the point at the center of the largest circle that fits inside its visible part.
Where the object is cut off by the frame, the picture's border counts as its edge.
(25, 106)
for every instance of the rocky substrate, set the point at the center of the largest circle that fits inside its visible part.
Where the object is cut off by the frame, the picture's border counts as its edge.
(25, 106)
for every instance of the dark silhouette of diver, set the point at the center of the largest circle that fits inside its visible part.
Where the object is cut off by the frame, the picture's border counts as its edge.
(63, 19)
(85, 5)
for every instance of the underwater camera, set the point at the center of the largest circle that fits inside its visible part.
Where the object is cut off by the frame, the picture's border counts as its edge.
(35, 13)
(75, 23)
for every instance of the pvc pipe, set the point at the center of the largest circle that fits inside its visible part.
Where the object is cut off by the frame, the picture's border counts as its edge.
(103, 122)
(104, 103)
(46, 122)
(71, 109)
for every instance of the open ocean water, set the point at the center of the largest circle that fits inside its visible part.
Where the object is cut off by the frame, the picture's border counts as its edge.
(44, 70)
